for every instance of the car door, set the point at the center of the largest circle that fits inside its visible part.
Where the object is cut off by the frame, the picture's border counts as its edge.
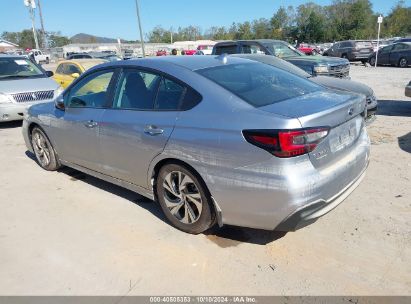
(397, 53)
(384, 55)
(77, 128)
(139, 124)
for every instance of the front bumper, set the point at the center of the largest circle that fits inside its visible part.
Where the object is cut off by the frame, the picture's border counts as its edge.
(15, 111)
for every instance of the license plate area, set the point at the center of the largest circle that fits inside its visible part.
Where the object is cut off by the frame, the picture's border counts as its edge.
(344, 135)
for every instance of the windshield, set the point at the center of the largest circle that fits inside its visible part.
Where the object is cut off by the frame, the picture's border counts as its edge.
(283, 50)
(259, 84)
(19, 68)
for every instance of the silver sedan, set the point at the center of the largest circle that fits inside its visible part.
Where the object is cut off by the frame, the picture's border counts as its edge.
(215, 140)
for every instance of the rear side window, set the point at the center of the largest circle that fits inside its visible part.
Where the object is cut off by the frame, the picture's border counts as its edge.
(259, 84)
(169, 95)
(226, 49)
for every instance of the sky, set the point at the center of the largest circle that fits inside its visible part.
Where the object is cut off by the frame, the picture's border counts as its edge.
(117, 19)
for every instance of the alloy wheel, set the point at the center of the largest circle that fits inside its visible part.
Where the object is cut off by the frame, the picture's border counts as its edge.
(182, 197)
(41, 149)
(403, 62)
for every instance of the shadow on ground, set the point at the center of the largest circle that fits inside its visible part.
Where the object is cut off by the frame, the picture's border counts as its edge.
(405, 142)
(394, 108)
(11, 124)
(227, 236)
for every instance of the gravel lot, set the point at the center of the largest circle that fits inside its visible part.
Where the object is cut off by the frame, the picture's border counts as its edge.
(66, 233)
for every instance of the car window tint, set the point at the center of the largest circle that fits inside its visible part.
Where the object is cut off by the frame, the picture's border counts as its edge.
(137, 90)
(226, 49)
(71, 69)
(60, 69)
(91, 91)
(251, 49)
(191, 99)
(169, 95)
(281, 50)
(363, 44)
(399, 47)
(259, 84)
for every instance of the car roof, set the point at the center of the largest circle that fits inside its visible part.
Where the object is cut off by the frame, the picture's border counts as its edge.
(262, 41)
(12, 56)
(83, 61)
(189, 62)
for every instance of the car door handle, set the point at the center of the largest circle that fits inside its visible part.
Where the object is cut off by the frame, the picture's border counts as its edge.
(153, 130)
(91, 124)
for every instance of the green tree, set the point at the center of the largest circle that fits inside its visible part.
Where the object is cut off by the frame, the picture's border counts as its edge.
(398, 21)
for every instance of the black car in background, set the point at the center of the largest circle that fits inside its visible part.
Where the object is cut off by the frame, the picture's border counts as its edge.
(397, 54)
(314, 65)
(353, 50)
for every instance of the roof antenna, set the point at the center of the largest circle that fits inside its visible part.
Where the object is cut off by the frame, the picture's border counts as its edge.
(223, 58)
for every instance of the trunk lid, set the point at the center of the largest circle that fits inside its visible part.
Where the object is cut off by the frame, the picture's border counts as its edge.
(341, 112)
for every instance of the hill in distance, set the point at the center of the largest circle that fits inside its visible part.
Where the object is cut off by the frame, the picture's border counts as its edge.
(86, 38)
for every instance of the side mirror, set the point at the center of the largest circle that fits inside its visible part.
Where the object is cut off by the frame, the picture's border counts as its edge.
(49, 73)
(59, 103)
(75, 75)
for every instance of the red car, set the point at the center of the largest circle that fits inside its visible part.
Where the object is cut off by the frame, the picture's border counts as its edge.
(161, 53)
(308, 49)
(189, 52)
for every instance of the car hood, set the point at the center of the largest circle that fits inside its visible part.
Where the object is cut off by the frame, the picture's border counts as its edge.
(318, 59)
(14, 86)
(343, 84)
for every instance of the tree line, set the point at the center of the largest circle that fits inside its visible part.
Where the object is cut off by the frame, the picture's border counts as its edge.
(25, 39)
(310, 22)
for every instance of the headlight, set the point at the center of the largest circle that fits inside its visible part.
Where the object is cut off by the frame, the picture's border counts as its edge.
(5, 98)
(321, 69)
(58, 91)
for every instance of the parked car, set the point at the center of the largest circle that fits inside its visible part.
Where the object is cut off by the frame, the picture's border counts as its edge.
(204, 49)
(39, 56)
(408, 90)
(214, 139)
(68, 70)
(308, 49)
(22, 84)
(329, 82)
(314, 65)
(79, 56)
(353, 50)
(408, 39)
(397, 54)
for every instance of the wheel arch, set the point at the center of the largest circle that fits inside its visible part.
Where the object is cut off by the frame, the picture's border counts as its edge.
(155, 168)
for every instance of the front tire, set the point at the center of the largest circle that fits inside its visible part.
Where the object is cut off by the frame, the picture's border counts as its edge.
(403, 63)
(184, 199)
(372, 61)
(43, 150)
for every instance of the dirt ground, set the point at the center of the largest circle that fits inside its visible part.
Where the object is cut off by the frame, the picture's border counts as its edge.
(66, 233)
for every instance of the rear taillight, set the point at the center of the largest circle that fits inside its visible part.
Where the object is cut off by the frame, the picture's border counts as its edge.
(286, 143)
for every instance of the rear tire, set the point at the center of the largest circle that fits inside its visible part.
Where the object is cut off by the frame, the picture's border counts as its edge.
(184, 199)
(403, 63)
(314, 53)
(43, 150)
(47, 60)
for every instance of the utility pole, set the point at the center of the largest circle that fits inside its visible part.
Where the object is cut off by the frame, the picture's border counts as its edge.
(45, 42)
(31, 4)
(140, 28)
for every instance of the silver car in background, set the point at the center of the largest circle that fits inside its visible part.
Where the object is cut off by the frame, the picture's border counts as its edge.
(213, 139)
(23, 84)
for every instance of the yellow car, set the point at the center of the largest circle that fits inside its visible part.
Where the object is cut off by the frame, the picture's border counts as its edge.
(68, 70)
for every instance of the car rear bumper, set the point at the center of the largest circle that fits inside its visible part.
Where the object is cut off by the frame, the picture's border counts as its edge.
(359, 56)
(266, 195)
(310, 213)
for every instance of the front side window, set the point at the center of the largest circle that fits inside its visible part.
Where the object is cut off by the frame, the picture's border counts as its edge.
(71, 69)
(252, 49)
(60, 69)
(259, 84)
(91, 91)
(137, 90)
(282, 50)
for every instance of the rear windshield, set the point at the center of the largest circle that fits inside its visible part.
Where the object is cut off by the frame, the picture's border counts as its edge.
(363, 44)
(259, 84)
